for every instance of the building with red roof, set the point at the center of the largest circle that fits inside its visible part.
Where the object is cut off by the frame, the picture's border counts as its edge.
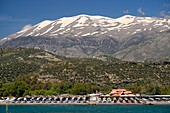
(119, 92)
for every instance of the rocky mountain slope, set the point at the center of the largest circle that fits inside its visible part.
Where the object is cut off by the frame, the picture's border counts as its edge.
(153, 47)
(85, 35)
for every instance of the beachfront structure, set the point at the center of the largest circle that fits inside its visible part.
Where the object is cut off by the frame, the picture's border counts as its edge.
(94, 97)
(116, 96)
(120, 92)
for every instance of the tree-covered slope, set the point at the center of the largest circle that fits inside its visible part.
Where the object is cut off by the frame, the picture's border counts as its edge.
(100, 70)
(43, 73)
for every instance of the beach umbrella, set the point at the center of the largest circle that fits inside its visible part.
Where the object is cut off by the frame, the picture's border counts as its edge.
(104, 98)
(99, 99)
(132, 99)
(163, 98)
(20, 98)
(25, 99)
(151, 99)
(109, 98)
(44, 99)
(28, 96)
(125, 99)
(114, 99)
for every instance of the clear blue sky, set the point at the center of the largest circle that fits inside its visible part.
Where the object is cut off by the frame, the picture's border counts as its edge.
(15, 14)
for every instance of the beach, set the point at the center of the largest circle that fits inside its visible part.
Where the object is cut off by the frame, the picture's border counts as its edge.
(87, 100)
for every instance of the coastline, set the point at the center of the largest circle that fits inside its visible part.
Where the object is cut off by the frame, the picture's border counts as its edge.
(96, 103)
(69, 104)
(92, 99)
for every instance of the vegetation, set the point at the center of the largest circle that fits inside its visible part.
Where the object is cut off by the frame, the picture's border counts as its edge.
(37, 72)
(20, 88)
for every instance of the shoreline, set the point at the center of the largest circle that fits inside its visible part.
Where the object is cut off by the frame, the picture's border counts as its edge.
(88, 100)
(13, 104)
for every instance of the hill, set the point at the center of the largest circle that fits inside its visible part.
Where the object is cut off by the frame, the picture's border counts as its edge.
(102, 71)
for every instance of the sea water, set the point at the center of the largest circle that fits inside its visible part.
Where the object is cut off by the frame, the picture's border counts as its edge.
(86, 109)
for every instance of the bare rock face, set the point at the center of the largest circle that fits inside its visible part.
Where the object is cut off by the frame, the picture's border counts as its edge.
(153, 47)
(128, 37)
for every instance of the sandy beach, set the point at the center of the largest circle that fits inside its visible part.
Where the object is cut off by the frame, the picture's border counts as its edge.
(4, 103)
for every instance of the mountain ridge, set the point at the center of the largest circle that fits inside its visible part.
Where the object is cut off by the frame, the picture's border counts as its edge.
(85, 35)
(66, 21)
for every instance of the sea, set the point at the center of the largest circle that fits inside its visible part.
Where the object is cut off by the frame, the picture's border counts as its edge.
(85, 109)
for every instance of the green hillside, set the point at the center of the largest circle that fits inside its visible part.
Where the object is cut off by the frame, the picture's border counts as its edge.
(105, 72)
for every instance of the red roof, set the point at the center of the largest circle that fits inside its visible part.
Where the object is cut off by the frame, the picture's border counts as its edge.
(119, 92)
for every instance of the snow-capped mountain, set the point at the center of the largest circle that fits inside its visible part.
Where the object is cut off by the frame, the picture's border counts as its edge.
(85, 35)
(85, 25)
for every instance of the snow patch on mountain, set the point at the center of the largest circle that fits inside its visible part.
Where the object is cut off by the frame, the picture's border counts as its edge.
(85, 25)
(42, 25)
(126, 19)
